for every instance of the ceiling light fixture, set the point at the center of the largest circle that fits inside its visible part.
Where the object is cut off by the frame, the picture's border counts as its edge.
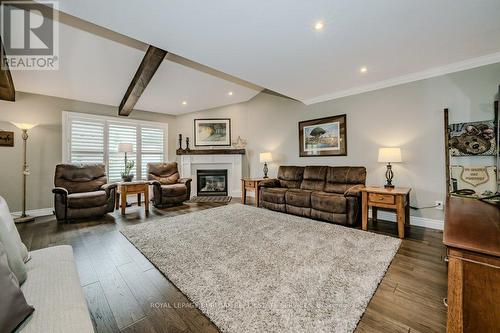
(319, 26)
(184, 103)
(230, 93)
(363, 70)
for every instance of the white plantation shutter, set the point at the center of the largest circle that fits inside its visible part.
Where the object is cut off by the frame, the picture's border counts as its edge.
(95, 139)
(86, 141)
(152, 147)
(120, 133)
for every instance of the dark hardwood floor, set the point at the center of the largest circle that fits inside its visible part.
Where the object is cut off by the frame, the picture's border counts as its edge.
(126, 293)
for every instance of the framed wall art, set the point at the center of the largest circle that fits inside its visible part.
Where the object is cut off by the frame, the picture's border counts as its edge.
(323, 137)
(212, 132)
(473, 139)
(6, 139)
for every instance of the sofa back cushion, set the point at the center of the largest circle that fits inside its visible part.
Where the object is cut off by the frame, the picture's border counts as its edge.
(314, 178)
(165, 173)
(290, 176)
(339, 179)
(78, 178)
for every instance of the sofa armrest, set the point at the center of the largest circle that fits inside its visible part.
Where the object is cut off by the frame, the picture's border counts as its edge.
(60, 191)
(184, 181)
(154, 183)
(354, 191)
(272, 182)
(109, 187)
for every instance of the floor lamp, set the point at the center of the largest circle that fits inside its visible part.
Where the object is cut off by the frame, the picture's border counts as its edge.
(24, 127)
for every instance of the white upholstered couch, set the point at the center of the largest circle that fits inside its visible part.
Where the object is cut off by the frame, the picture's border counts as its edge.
(53, 289)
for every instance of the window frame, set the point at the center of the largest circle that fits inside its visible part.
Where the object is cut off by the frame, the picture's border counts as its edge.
(68, 116)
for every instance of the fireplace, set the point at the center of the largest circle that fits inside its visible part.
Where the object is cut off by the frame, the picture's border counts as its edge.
(211, 182)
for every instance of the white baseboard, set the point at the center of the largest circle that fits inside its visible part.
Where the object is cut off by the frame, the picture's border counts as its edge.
(414, 220)
(35, 212)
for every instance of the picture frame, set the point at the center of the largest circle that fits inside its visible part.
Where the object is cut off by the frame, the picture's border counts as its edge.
(6, 139)
(212, 132)
(323, 136)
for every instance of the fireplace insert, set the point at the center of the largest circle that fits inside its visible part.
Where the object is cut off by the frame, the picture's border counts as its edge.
(211, 182)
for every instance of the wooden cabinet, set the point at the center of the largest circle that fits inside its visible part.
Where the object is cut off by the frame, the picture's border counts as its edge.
(472, 238)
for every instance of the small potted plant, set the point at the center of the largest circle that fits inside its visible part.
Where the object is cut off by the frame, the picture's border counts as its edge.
(127, 176)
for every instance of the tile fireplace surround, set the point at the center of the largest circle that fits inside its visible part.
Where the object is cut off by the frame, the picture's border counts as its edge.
(189, 164)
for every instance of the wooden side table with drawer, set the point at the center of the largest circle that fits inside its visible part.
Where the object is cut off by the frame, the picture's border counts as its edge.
(397, 198)
(250, 184)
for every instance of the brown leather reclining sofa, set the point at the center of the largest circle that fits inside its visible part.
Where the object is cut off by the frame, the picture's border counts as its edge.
(320, 192)
(82, 191)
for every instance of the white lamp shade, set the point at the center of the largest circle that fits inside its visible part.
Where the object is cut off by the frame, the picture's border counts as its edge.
(125, 147)
(24, 126)
(389, 155)
(266, 157)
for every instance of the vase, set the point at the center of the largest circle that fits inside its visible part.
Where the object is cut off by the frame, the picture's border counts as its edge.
(128, 178)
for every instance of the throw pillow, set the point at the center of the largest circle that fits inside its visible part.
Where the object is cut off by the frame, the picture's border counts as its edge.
(7, 219)
(13, 307)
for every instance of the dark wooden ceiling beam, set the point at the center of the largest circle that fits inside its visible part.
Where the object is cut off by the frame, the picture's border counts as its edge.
(150, 63)
(7, 89)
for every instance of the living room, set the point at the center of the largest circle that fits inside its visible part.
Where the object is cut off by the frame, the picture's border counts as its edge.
(209, 175)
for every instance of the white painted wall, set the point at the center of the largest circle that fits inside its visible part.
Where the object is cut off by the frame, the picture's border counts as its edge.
(409, 116)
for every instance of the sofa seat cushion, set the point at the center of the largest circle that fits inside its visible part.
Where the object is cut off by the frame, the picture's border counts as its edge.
(87, 199)
(298, 198)
(53, 289)
(274, 194)
(174, 190)
(328, 202)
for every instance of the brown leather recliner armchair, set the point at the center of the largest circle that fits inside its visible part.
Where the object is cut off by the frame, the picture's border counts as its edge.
(82, 191)
(320, 192)
(169, 189)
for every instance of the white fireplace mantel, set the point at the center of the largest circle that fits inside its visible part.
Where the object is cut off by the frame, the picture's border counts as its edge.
(231, 162)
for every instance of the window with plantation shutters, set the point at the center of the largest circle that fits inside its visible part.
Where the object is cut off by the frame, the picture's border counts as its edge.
(152, 147)
(120, 133)
(87, 141)
(95, 139)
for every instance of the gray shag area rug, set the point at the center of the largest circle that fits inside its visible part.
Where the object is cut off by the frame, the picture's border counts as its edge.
(255, 270)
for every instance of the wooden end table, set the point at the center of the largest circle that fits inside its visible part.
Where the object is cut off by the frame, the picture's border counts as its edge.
(397, 198)
(250, 184)
(137, 187)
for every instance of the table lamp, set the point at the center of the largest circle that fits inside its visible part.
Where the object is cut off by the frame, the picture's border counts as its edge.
(26, 171)
(389, 155)
(264, 158)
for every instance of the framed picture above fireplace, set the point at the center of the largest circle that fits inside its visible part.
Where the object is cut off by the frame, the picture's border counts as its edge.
(212, 132)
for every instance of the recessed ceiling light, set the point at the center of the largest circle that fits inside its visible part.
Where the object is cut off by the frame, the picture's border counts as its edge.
(319, 25)
(184, 103)
(230, 93)
(363, 69)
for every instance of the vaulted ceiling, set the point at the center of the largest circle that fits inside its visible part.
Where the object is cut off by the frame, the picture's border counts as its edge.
(272, 44)
(97, 66)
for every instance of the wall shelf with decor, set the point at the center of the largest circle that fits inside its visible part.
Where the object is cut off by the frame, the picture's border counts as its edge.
(212, 152)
